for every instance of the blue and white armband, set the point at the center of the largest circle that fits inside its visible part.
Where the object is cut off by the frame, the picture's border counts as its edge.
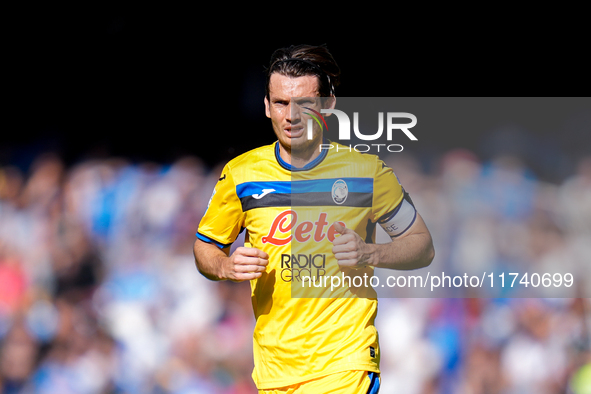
(400, 219)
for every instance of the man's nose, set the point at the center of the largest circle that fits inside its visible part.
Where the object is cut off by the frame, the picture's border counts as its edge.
(288, 114)
(293, 113)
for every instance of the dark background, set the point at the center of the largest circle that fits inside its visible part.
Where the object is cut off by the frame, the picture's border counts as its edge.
(156, 84)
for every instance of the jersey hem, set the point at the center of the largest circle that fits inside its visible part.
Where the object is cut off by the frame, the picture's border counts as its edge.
(279, 383)
(209, 239)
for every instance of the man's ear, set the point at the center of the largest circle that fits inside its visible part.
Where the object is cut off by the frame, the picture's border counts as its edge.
(330, 104)
(267, 110)
(332, 101)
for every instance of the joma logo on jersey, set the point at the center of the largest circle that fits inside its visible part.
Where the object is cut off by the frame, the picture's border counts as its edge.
(263, 194)
(281, 230)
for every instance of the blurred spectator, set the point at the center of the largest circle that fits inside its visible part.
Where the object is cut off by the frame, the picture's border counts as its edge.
(99, 292)
(575, 199)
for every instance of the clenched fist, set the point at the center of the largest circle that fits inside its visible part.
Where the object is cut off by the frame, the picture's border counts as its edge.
(245, 264)
(349, 249)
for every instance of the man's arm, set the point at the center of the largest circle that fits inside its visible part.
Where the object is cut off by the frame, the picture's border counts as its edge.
(411, 250)
(216, 264)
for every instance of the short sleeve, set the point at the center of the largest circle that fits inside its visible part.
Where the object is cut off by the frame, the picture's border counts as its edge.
(224, 219)
(387, 192)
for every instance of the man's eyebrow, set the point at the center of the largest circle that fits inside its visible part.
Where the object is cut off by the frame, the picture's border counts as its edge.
(305, 100)
(279, 100)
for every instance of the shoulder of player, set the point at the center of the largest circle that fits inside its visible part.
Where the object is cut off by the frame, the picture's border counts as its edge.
(255, 155)
(357, 157)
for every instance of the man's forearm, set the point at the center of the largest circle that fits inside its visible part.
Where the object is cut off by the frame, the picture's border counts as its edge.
(413, 249)
(209, 260)
(405, 253)
(245, 263)
(412, 252)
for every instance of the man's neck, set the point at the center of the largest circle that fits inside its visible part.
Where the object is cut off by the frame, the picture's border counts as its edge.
(300, 158)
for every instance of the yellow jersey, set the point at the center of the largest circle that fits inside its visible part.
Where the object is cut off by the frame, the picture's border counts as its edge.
(303, 332)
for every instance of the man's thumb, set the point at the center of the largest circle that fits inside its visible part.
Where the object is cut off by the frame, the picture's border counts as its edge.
(340, 228)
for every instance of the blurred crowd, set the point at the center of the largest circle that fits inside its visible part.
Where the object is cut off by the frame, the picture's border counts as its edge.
(99, 292)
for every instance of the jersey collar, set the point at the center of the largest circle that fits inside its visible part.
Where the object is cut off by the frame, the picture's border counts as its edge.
(308, 166)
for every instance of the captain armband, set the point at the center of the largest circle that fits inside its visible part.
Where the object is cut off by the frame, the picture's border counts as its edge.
(400, 219)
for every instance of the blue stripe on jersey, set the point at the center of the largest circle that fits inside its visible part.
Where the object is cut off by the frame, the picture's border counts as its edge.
(212, 241)
(250, 188)
(374, 386)
(357, 185)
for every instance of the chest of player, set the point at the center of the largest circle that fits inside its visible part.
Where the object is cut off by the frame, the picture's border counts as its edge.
(282, 212)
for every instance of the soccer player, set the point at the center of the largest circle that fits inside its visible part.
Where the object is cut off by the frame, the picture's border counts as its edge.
(318, 223)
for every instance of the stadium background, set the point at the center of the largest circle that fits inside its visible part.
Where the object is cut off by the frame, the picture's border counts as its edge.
(113, 137)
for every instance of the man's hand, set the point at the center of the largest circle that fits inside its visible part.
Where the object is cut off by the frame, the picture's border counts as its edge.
(411, 250)
(349, 249)
(245, 264)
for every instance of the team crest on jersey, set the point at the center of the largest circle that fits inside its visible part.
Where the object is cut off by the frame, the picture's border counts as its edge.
(339, 191)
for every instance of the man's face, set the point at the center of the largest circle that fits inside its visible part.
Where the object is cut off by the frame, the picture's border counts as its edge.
(286, 117)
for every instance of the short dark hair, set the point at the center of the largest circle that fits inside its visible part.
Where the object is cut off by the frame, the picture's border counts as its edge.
(301, 60)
